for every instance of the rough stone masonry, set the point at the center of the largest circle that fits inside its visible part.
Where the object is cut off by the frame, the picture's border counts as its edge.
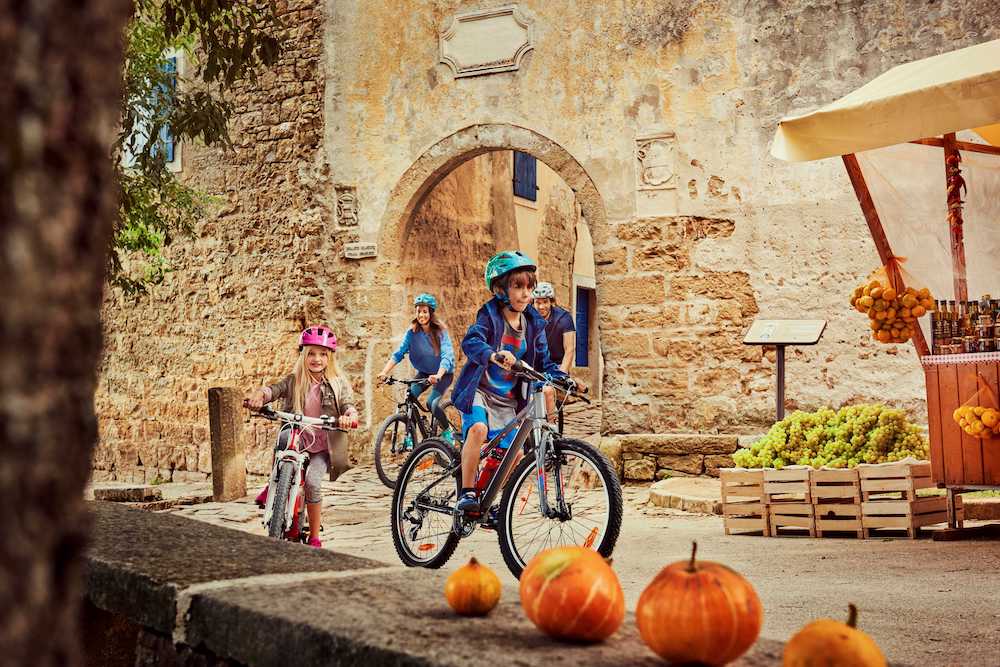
(657, 114)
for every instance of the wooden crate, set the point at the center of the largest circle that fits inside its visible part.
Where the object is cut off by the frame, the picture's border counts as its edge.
(897, 481)
(796, 515)
(743, 508)
(905, 515)
(789, 485)
(836, 496)
(838, 517)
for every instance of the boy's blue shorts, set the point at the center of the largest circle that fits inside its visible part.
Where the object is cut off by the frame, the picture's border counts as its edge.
(479, 416)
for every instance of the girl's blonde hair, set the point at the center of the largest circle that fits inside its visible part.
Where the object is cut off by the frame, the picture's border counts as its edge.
(302, 377)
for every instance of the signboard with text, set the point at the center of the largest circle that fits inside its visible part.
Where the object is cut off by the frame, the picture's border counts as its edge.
(360, 250)
(785, 332)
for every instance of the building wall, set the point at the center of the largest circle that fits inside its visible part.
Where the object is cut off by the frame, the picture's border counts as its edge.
(362, 101)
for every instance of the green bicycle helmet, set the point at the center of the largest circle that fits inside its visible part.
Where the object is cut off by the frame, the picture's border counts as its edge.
(425, 299)
(504, 262)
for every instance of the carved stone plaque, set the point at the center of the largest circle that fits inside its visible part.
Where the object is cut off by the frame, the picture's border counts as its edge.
(347, 205)
(657, 162)
(486, 41)
(360, 250)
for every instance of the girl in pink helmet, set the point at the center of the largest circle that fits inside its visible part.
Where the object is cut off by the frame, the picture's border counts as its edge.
(315, 387)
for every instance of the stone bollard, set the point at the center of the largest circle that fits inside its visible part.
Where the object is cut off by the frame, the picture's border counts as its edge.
(225, 418)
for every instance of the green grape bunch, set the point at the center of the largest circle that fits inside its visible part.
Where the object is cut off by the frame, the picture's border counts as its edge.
(844, 438)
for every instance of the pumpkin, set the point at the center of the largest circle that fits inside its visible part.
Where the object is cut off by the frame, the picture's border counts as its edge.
(572, 593)
(699, 612)
(837, 643)
(473, 589)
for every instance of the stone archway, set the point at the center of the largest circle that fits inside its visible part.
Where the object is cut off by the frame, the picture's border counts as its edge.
(430, 169)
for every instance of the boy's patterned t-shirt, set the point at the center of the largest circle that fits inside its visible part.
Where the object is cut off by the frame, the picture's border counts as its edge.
(496, 380)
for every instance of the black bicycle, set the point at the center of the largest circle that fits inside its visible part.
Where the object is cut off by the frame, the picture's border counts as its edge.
(561, 492)
(406, 428)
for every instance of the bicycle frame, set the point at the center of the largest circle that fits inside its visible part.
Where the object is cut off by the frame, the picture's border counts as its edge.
(295, 423)
(533, 433)
(299, 460)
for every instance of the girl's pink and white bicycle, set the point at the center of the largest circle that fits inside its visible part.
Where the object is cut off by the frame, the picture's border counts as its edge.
(285, 509)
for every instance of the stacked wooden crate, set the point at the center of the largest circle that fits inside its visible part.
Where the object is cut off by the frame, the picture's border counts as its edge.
(820, 502)
(788, 500)
(743, 507)
(836, 497)
(890, 501)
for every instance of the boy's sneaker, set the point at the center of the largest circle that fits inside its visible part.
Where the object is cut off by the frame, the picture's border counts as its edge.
(468, 503)
(314, 542)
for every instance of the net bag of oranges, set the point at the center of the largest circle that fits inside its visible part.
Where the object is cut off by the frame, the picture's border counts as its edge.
(980, 415)
(893, 302)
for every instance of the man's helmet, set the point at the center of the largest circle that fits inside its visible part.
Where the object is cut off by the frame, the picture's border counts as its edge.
(504, 262)
(544, 291)
(318, 335)
(425, 299)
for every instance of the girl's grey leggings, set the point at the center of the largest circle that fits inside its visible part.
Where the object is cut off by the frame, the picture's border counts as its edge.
(320, 465)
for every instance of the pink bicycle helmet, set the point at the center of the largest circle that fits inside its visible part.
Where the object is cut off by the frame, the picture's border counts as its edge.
(318, 335)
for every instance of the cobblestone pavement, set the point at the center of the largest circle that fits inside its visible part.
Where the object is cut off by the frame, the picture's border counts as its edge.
(926, 603)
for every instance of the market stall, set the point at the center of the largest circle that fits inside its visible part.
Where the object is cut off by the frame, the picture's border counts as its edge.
(921, 145)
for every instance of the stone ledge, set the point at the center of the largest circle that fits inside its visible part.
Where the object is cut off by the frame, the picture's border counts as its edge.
(256, 601)
(677, 444)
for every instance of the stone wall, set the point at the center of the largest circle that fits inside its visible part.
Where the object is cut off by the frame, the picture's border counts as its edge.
(229, 312)
(695, 238)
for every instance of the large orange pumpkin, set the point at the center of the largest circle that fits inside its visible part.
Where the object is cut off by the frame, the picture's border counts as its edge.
(699, 612)
(572, 593)
(473, 589)
(834, 642)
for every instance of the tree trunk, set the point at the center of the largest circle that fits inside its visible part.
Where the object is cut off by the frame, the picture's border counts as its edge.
(60, 98)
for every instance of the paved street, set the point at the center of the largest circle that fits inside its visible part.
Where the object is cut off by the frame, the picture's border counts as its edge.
(926, 603)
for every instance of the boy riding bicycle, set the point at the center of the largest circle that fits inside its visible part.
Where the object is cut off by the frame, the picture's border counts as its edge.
(507, 329)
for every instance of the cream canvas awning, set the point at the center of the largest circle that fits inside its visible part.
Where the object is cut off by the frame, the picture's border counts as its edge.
(950, 92)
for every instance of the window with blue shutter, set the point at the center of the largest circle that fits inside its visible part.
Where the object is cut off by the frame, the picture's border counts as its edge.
(525, 169)
(167, 89)
(583, 298)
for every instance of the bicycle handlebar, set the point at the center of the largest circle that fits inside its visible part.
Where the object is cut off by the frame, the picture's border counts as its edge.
(325, 422)
(568, 384)
(419, 381)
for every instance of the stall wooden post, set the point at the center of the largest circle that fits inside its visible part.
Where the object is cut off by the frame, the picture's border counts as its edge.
(955, 184)
(877, 232)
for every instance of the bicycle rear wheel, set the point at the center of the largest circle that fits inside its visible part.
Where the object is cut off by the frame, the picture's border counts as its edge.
(592, 495)
(282, 487)
(390, 448)
(423, 537)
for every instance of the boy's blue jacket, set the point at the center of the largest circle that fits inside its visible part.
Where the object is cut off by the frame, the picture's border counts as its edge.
(483, 339)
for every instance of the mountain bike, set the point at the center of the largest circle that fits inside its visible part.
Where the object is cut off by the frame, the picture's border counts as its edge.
(555, 491)
(401, 431)
(285, 509)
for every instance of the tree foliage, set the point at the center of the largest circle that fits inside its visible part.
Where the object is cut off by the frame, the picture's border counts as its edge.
(224, 43)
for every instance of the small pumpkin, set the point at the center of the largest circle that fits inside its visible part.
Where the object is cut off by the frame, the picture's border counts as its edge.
(837, 643)
(699, 612)
(572, 593)
(473, 589)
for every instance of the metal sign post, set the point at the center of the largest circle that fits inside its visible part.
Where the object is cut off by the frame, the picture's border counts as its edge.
(781, 334)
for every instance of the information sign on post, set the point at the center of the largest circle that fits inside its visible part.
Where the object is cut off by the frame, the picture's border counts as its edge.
(780, 334)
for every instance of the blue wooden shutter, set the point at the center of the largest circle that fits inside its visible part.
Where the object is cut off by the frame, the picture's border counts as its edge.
(166, 135)
(582, 327)
(524, 176)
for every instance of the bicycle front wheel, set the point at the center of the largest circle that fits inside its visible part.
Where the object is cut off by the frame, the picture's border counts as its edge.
(592, 500)
(390, 449)
(423, 504)
(281, 490)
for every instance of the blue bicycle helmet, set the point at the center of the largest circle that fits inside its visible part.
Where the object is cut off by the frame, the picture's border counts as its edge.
(425, 299)
(504, 262)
